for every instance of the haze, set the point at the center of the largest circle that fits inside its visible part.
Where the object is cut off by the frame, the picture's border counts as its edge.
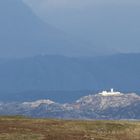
(104, 24)
(68, 46)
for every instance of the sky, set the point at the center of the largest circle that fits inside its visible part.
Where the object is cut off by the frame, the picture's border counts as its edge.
(113, 24)
(69, 27)
(79, 3)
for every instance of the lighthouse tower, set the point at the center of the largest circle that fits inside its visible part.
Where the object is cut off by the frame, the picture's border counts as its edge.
(110, 93)
(112, 90)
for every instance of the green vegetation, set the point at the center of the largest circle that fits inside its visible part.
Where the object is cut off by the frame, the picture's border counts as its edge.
(20, 128)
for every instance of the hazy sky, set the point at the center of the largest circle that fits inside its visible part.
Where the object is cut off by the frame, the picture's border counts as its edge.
(103, 23)
(81, 2)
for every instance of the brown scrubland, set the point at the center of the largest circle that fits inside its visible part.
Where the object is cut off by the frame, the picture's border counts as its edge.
(21, 128)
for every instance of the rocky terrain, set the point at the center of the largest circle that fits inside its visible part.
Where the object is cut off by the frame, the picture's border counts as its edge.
(104, 105)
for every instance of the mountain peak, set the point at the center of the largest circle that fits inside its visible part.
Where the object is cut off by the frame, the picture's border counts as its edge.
(23, 34)
(38, 103)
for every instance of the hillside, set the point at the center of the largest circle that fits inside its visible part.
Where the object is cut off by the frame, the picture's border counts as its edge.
(109, 25)
(105, 106)
(18, 128)
(24, 34)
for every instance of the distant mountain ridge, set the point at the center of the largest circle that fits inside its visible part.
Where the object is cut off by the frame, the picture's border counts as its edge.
(105, 105)
(27, 77)
(108, 25)
(24, 34)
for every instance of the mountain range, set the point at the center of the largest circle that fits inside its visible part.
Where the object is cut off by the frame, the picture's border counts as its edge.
(104, 105)
(105, 24)
(38, 77)
(38, 60)
(24, 34)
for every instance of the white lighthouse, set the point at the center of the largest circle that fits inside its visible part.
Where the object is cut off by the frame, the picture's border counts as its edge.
(112, 90)
(110, 93)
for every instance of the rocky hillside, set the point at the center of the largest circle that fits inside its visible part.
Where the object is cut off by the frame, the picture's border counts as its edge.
(104, 105)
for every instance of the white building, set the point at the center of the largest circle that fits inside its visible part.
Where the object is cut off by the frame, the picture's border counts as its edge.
(110, 93)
